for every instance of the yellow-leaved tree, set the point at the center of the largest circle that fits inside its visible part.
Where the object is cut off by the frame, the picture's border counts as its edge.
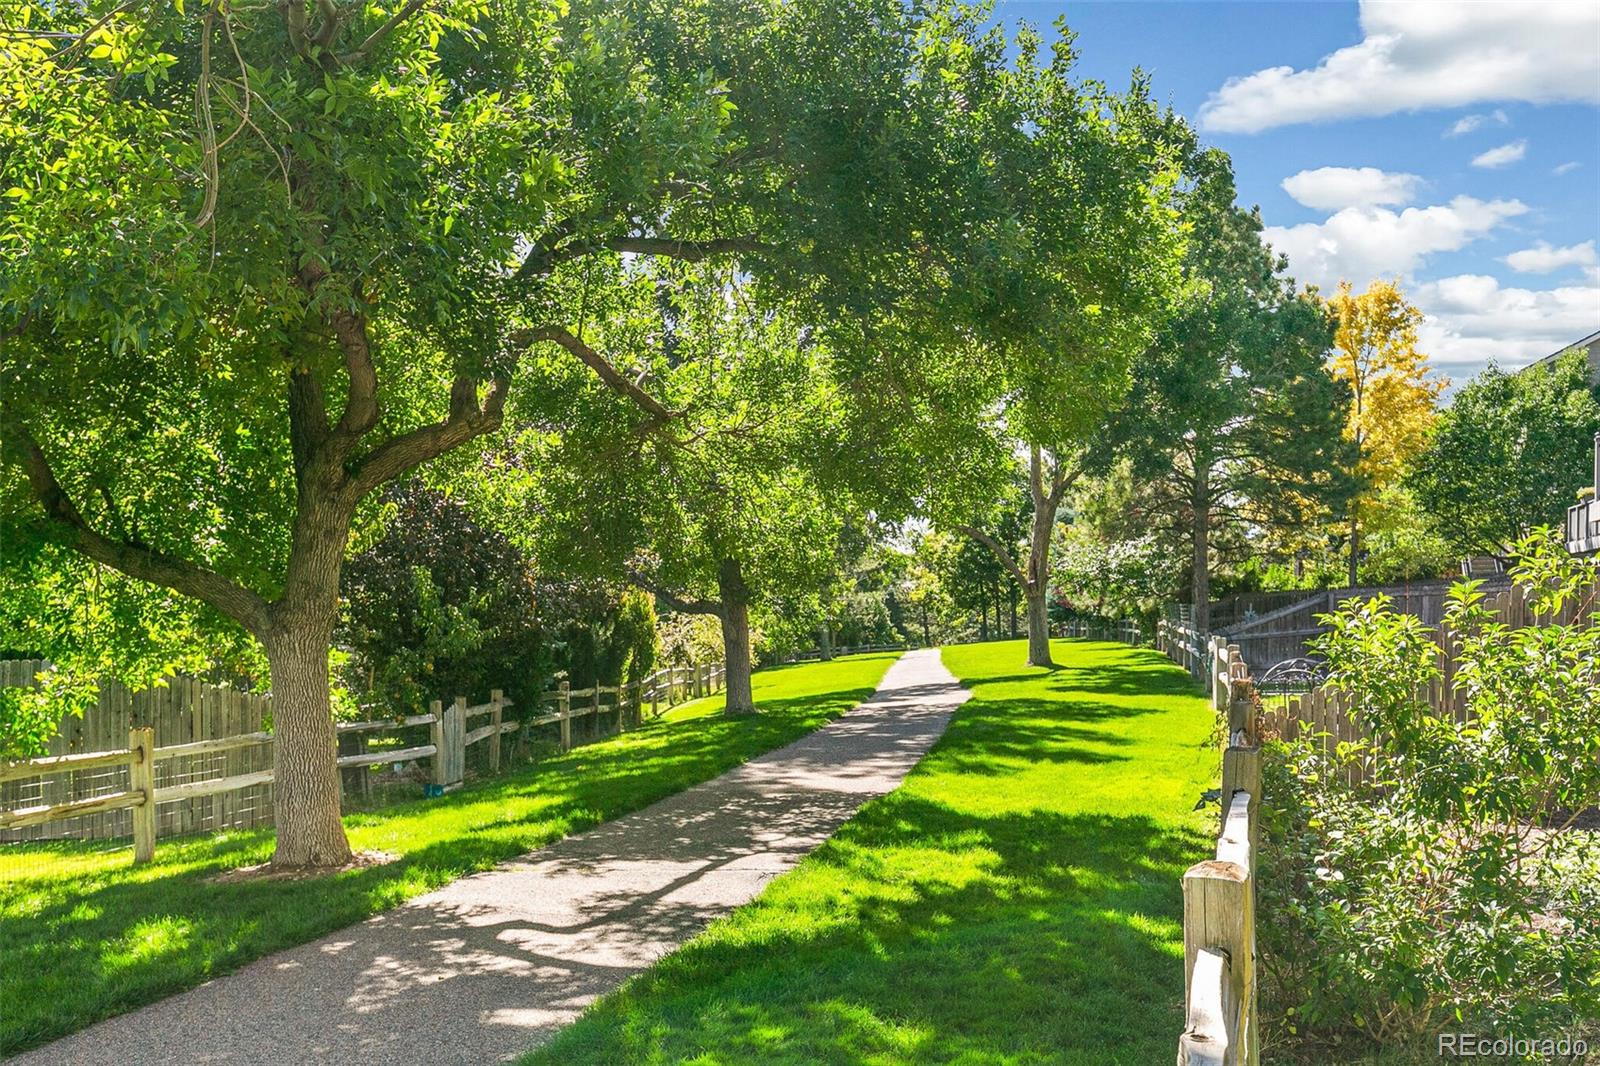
(1392, 394)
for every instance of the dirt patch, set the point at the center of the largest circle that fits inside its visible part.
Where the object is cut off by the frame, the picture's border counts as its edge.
(267, 872)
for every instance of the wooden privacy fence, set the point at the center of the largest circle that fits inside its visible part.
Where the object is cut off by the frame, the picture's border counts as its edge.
(94, 789)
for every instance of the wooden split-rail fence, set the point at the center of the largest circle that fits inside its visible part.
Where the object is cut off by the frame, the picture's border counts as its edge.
(1219, 894)
(163, 776)
(1126, 630)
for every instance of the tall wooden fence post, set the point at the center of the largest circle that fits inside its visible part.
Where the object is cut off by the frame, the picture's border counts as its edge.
(496, 712)
(142, 778)
(564, 705)
(436, 737)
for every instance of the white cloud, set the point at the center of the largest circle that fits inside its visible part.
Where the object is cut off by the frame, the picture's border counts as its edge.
(1468, 123)
(1471, 320)
(1501, 156)
(1565, 168)
(1359, 244)
(1420, 54)
(1542, 258)
(1332, 188)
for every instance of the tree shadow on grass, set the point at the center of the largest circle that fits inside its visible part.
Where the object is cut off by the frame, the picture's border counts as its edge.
(929, 934)
(75, 950)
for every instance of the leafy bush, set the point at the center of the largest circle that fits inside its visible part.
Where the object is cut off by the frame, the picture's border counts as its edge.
(1447, 887)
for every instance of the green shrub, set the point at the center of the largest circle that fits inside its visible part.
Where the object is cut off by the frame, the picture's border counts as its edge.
(1446, 889)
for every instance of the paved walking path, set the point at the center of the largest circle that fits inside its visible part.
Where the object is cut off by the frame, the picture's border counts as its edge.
(495, 963)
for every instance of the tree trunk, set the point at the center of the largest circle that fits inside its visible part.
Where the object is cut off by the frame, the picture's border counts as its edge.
(1037, 586)
(1039, 628)
(1012, 602)
(927, 639)
(1355, 546)
(1200, 503)
(305, 776)
(825, 640)
(736, 637)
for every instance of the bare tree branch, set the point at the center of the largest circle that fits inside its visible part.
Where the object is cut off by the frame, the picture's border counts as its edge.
(550, 253)
(136, 560)
(676, 604)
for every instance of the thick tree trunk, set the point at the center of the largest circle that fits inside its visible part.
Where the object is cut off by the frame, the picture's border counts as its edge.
(1200, 503)
(736, 637)
(305, 777)
(825, 640)
(1039, 628)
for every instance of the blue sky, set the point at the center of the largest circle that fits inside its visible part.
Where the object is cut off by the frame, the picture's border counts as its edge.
(1454, 145)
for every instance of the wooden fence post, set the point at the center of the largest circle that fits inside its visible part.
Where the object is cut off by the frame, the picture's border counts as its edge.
(436, 737)
(455, 727)
(1219, 914)
(496, 712)
(142, 778)
(564, 705)
(655, 694)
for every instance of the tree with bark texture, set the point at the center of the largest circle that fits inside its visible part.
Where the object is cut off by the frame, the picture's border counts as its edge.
(1392, 395)
(1084, 183)
(714, 504)
(260, 260)
(1232, 420)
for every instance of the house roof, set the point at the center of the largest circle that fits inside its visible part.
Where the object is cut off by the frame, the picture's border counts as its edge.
(1591, 342)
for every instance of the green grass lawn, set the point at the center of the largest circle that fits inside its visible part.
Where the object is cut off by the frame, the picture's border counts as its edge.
(1017, 900)
(85, 935)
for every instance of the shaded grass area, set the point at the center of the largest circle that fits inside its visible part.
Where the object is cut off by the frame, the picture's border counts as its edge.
(1017, 900)
(85, 935)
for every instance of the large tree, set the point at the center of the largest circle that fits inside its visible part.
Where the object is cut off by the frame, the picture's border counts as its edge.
(1392, 394)
(1081, 186)
(1509, 454)
(704, 481)
(1232, 419)
(262, 259)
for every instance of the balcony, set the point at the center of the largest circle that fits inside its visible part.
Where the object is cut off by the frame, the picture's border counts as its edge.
(1583, 528)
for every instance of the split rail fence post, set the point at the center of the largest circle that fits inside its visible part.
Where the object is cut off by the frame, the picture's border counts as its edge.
(142, 778)
(564, 705)
(496, 712)
(436, 735)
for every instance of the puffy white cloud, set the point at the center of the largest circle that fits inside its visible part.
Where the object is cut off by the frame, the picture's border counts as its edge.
(1358, 244)
(1542, 258)
(1420, 54)
(1471, 319)
(1565, 168)
(1332, 188)
(1504, 155)
(1468, 123)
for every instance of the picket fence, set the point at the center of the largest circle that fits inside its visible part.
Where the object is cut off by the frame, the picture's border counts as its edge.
(189, 757)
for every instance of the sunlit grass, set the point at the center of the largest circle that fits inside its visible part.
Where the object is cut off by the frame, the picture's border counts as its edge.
(1017, 900)
(84, 934)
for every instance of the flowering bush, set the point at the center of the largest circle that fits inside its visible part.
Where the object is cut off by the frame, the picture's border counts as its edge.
(1454, 882)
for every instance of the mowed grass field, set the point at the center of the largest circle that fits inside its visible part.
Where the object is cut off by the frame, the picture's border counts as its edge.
(85, 935)
(1017, 900)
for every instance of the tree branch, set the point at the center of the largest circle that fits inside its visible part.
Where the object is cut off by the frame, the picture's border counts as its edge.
(1007, 560)
(615, 379)
(361, 406)
(549, 254)
(465, 421)
(674, 603)
(136, 560)
(377, 35)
